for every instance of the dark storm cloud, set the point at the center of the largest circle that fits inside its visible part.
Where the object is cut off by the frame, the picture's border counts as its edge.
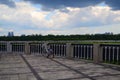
(55, 4)
(114, 4)
(9, 3)
(58, 4)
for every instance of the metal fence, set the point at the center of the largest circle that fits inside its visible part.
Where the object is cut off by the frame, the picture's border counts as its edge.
(18, 47)
(83, 51)
(58, 49)
(36, 48)
(111, 53)
(3, 47)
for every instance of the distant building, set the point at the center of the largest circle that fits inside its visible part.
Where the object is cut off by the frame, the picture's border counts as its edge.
(108, 33)
(23, 35)
(10, 34)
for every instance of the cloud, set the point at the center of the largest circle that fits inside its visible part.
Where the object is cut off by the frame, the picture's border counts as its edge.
(58, 4)
(79, 30)
(114, 4)
(27, 19)
(85, 17)
(1, 29)
(61, 4)
(23, 17)
(9, 3)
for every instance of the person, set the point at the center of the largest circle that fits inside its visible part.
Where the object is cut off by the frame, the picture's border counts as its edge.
(46, 50)
(50, 53)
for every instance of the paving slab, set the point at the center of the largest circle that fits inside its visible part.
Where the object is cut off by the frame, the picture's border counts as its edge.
(35, 67)
(13, 67)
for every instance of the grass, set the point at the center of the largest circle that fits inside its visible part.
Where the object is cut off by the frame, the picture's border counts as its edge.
(112, 62)
(95, 42)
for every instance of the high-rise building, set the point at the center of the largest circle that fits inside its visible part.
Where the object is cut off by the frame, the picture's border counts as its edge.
(10, 34)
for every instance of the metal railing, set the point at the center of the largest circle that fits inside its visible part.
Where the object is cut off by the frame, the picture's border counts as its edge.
(108, 53)
(111, 53)
(58, 49)
(3, 47)
(36, 48)
(83, 51)
(18, 47)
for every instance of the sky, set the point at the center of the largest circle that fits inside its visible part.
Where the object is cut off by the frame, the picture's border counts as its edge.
(59, 17)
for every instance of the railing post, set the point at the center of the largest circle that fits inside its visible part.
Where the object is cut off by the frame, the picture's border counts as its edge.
(101, 54)
(97, 53)
(69, 50)
(9, 47)
(27, 48)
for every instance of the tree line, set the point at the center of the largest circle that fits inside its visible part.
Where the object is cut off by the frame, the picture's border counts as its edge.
(61, 37)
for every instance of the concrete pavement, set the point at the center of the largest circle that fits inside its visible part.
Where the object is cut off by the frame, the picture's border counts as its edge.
(31, 67)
